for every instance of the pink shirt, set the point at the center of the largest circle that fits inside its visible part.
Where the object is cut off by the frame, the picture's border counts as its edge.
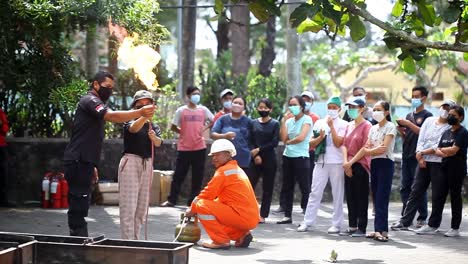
(356, 138)
(191, 123)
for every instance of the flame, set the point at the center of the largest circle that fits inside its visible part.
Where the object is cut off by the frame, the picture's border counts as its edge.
(141, 58)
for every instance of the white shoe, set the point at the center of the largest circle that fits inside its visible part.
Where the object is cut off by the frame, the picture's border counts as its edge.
(333, 230)
(303, 227)
(452, 233)
(426, 230)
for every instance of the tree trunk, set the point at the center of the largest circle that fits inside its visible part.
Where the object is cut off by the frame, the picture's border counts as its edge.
(293, 58)
(240, 38)
(189, 26)
(222, 34)
(268, 52)
(92, 58)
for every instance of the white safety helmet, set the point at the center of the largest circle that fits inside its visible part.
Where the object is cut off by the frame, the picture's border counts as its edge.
(222, 145)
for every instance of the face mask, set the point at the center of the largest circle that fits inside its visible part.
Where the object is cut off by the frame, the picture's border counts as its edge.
(308, 105)
(443, 113)
(378, 116)
(333, 113)
(362, 97)
(195, 98)
(353, 113)
(416, 102)
(236, 108)
(452, 120)
(104, 93)
(227, 104)
(295, 110)
(263, 113)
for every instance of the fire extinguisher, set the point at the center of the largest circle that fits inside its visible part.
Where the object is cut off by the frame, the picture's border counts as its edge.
(46, 190)
(64, 187)
(55, 192)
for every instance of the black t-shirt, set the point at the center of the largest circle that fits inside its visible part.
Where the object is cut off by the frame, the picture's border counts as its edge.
(458, 138)
(266, 137)
(411, 138)
(139, 143)
(88, 130)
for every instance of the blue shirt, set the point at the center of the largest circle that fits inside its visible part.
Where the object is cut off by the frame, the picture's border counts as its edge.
(294, 129)
(241, 127)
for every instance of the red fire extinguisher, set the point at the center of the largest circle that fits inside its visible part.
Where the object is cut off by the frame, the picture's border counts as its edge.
(64, 187)
(55, 192)
(46, 190)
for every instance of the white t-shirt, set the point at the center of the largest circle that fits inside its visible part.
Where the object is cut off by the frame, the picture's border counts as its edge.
(377, 135)
(333, 155)
(429, 137)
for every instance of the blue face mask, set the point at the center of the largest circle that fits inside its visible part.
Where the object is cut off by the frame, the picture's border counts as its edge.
(308, 105)
(227, 104)
(295, 109)
(195, 98)
(353, 113)
(416, 102)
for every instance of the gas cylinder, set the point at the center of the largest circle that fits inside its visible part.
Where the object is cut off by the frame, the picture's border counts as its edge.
(64, 187)
(55, 192)
(46, 190)
(191, 232)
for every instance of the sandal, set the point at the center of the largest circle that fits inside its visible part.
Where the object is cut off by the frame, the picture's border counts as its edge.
(371, 235)
(381, 238)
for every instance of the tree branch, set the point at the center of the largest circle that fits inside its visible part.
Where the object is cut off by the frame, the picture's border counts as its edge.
(411, 40)
(460, 82)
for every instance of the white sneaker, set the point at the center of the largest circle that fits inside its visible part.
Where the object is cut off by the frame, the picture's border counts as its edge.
(303, 227)
(452, 233)
(426, 230)
(333, 230)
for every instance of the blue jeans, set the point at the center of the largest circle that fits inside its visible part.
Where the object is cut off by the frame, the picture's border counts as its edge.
(381, 184)
(408, 170)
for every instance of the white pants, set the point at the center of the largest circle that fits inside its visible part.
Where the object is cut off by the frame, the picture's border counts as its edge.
(321, 174)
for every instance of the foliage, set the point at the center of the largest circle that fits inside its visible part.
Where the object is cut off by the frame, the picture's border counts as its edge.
(167, 102)
(271, 87)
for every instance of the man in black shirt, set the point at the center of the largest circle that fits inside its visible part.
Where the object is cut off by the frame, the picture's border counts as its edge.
(409, 130)
(82, 154)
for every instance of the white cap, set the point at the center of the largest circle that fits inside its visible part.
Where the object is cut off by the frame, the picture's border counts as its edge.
(308, 94)
(222, 145)
(224, 92)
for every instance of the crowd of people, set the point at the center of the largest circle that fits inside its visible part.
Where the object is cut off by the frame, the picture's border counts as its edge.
(355, 153)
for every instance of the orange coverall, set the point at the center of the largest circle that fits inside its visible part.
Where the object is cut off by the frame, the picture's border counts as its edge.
(227, 207)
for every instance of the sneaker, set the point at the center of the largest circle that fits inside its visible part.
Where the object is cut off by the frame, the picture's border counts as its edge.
(303, 227)
(284, 220)
(333, 230)
(348, 232)
(398, 226)
(426, 230)
(452, 233)
(358, 233)
(420, 223)
(167, 204)
(278, 210)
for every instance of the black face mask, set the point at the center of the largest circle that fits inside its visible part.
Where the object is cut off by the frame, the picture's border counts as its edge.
(452, 120)
(104, 93)
(263, 113)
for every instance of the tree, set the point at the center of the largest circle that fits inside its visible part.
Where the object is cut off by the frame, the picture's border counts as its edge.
(268, 51)
(189, 25)
(293, 59)
(240, 38)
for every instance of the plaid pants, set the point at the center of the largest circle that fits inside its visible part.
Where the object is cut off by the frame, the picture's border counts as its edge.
(135, 175)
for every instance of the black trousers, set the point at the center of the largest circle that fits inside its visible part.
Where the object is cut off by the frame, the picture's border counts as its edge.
(79, 176)
(267, 171)
(450, 181)
(3, 176)
(422, 179)
(295, 170)
(311, 170)
(357, 197)
(185, 159)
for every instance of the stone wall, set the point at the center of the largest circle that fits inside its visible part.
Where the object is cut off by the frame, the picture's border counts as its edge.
(31, 158)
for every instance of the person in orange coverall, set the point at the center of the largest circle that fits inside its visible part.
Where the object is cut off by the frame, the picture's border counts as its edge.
(227, 207)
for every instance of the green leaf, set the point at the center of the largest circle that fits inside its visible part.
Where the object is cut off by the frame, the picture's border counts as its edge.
(391, 41)
(259, 11)
(219, 6)
(427, 13)
(357, 28)
(408, 65)
(397, 10)
(329, 11)
(309, 25)
(465, 56)
(451, 14)
(303, 12)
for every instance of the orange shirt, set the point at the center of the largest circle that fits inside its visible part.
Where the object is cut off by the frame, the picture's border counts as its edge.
(231, 186)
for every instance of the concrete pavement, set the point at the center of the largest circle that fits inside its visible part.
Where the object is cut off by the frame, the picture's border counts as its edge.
(272, 243)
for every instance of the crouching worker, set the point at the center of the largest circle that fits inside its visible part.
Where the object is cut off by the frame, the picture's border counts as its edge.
(227, 207)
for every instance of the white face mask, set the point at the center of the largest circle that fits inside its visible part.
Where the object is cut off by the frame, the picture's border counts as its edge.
(237, 108)
(443, 113)
(378, 115)
(333, 113)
